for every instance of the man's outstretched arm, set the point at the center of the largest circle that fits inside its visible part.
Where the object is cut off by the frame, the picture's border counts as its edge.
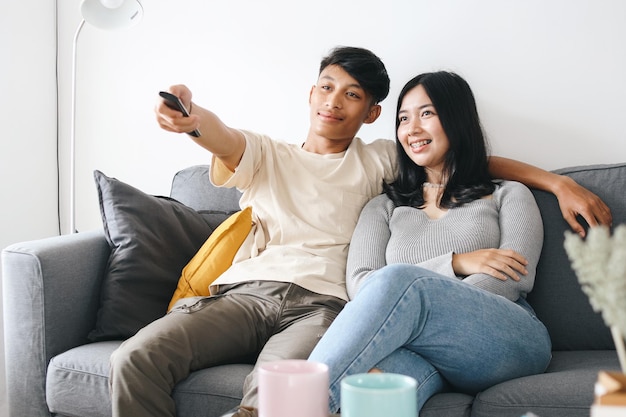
(223, 142)
(573, 198)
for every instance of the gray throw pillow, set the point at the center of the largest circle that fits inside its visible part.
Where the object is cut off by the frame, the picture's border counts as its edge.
(152, 238)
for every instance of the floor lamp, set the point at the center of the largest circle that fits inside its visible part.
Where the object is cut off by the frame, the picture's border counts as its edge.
(107, 15)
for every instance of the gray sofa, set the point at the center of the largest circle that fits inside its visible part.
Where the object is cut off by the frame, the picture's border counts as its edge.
(52, 287)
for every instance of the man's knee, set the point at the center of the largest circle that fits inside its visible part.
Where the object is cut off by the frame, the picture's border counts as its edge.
(126, 356)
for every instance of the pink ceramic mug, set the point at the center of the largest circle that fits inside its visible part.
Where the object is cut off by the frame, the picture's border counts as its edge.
(294, 387)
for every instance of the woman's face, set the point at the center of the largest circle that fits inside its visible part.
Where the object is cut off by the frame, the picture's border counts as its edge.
(420, 131)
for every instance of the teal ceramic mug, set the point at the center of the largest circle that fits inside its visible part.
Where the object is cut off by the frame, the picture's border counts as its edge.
(378, 395)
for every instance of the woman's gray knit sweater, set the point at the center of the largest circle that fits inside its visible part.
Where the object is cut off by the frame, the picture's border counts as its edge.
(386, 234)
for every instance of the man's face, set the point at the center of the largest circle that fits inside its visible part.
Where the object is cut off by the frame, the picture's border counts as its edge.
(339, 106)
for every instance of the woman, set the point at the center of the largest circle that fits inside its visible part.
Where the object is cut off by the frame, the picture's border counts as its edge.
(440, 264)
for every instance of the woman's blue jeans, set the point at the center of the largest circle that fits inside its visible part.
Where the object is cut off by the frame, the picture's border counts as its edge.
(438, 330)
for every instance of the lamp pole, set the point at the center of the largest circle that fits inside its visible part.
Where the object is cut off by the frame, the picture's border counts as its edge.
(73, 133)
(107, 15)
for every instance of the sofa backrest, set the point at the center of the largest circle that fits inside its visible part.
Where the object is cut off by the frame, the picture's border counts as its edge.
(192, 187)
(557, 296)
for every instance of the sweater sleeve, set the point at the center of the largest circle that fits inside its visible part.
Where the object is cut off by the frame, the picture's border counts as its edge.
(369, 242)
(521, 229)
(441, 264)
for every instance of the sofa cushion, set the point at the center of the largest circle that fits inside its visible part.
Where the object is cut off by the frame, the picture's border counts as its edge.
(77, 384)
(151, 239)
(566, 389)
(211, 392)
(448, 404)
(557, 296)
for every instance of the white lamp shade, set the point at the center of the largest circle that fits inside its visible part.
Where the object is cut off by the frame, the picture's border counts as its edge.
(108, 14)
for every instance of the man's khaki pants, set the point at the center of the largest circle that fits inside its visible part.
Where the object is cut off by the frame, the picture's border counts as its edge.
(273, 320)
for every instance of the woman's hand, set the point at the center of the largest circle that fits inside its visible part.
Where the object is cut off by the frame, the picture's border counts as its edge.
(575, 200)
(499, 263)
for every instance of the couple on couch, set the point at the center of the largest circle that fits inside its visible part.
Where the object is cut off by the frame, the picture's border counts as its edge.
(429, 238)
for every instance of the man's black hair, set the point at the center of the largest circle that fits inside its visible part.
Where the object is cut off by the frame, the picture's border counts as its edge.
(362, 65)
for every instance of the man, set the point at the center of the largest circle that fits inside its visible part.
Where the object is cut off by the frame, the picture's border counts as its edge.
(288, 283)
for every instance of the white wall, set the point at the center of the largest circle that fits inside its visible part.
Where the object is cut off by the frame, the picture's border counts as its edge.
(548, 77)
(28, 140)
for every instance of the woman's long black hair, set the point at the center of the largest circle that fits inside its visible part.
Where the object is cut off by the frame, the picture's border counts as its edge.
(466, 162)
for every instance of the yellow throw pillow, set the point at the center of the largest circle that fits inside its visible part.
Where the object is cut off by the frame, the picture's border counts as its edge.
(214, 257)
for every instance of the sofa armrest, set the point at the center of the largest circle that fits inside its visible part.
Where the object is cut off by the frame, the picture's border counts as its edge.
(50, 297)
